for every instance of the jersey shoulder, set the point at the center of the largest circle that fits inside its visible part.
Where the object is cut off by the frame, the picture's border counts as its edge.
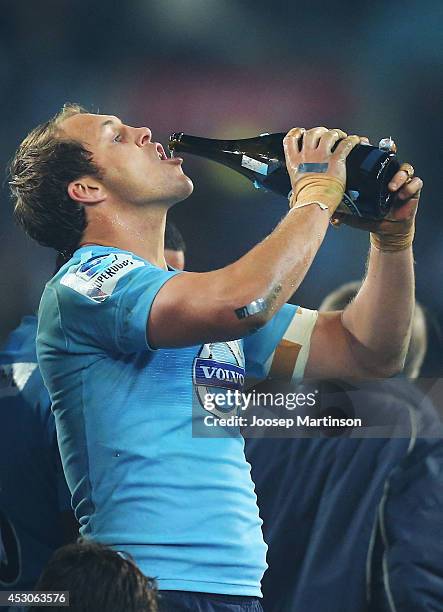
(95, 273)
(100, 299)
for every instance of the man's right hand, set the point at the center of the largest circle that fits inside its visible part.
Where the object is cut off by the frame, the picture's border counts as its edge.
(317, 174)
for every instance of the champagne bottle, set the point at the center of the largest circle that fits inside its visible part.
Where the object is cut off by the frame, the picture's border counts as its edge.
(261, 159)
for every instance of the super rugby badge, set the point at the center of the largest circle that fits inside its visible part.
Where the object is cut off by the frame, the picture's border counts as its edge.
(97, 277)
(218, 368)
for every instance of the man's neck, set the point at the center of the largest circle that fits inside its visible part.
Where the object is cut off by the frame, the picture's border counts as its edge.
(139, 231)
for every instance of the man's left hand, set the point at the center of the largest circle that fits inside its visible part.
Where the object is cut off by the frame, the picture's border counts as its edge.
(400, 219)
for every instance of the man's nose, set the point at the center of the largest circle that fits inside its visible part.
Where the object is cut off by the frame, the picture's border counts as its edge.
(144, 136)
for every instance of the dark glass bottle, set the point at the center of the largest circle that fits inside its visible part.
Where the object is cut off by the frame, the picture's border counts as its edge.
(261, 159)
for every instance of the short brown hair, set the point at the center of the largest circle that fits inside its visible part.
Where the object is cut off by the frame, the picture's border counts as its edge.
(98, 579)
(40, 172)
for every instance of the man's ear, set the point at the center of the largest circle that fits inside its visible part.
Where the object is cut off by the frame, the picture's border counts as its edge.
(86, 190)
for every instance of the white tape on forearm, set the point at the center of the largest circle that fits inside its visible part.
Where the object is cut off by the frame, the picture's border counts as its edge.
(289, 359)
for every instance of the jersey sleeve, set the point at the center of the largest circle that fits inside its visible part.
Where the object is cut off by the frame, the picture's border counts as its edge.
(280, 349)
(104, 302)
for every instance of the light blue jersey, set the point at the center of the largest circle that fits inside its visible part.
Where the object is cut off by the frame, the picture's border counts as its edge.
(33, 491)
(183, 507)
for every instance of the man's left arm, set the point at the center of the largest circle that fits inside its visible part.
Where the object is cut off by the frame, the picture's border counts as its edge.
(370, 337)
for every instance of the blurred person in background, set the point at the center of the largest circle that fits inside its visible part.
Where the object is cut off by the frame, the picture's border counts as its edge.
(115, 323)
(35, 509)
(356, 524)
(98, 579)
(175, 248)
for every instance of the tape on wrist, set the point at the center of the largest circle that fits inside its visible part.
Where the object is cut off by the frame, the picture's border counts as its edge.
(392, 243)
(327, 190)
(322, 206)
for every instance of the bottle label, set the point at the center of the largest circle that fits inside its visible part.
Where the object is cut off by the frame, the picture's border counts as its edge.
(254, 165)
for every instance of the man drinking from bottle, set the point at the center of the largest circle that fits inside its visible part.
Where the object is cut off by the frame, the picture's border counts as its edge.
(127, 347)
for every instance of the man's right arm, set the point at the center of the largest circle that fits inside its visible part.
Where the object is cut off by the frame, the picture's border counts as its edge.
(229, 303)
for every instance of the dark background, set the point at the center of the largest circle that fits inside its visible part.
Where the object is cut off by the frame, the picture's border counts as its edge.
(231, 68)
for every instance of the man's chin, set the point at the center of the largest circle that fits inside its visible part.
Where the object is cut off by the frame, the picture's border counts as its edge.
(182, 190)
(190, 186)
(186, 190)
